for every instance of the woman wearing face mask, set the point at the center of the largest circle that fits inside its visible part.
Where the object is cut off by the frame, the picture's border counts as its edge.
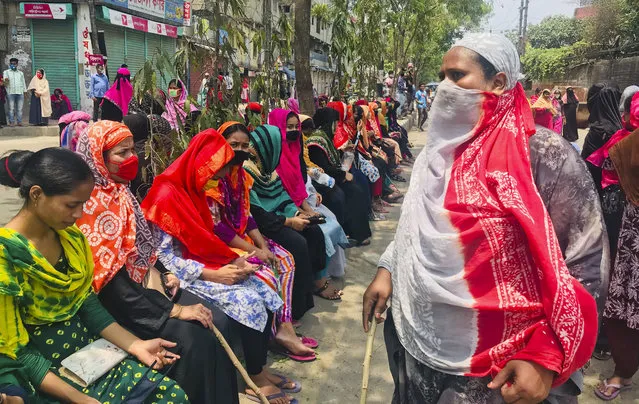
(48, 308)
(544, 111)
(124, 254)
(475, 208)
(175, 107)
(183, 215)
(323, 152)
(40, 109)
(237, 228)
(292, 171)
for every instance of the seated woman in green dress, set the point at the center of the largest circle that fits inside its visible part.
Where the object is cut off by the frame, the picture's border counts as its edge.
(48, 309)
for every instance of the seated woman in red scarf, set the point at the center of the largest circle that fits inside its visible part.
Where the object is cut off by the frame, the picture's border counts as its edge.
(183, 216)
(60, 104)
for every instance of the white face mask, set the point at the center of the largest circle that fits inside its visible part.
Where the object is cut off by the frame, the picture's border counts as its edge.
(455, 112)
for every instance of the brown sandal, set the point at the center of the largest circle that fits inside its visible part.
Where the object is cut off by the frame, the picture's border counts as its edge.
(318, 292)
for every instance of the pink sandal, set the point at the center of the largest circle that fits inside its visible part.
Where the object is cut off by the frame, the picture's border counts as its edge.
(618, 388)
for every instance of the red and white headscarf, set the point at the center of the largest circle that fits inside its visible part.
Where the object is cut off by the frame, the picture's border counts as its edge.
(478, 273)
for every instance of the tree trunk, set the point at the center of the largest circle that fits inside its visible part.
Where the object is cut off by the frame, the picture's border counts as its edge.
(267, 18)
(302, 56)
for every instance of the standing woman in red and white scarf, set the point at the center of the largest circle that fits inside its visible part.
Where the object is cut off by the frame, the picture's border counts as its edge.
(480, 288)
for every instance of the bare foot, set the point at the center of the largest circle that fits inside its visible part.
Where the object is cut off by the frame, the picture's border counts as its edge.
(287, 338)
(268, 388)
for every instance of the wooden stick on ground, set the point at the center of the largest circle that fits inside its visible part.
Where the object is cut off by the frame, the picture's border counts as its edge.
(367, 361)
(238, 365)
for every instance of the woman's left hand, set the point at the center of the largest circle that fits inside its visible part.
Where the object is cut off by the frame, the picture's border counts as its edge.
(319, 200)
(154, 350)
(172, 283)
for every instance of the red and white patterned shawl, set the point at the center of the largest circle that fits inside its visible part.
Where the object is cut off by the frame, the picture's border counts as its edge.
(478, 273)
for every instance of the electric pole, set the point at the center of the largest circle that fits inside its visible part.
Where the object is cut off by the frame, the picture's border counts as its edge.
(520, 36)
(524, 28)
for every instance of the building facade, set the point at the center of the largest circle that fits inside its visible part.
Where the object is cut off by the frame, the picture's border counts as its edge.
(56, 36)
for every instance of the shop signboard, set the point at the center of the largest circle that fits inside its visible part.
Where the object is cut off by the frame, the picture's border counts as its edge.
(170, 10)
(141, 24)
(46, 11)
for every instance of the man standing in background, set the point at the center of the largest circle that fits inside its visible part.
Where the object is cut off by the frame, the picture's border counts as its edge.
(16, 89)
(421, 97)
(99, 86)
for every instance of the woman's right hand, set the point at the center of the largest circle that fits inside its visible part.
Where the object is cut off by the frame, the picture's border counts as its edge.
(197, 312)
(231, 274)
(297, 223)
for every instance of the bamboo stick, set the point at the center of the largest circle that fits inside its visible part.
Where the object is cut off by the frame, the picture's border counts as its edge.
(367, 361)
(238, 365)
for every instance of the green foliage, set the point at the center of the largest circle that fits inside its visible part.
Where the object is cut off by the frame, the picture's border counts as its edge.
(540, 64)
(554, 32)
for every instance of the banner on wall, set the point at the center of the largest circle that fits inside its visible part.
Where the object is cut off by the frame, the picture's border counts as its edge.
(141, 24)
(187, 14)
(46, 11)
(170, 10)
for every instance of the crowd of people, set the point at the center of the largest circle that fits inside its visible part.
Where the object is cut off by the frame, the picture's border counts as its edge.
(242, 231)
(502, 286)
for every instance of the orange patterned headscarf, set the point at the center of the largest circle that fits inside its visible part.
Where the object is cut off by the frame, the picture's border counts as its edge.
(113, 223)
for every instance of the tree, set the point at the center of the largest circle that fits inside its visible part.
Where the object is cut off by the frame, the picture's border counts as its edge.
(302, 56)
(554, 32)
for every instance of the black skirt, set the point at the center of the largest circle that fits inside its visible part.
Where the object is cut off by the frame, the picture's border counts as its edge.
(35, 112)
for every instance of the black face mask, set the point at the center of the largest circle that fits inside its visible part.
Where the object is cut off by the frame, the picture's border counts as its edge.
(292, 135)
(240, 157)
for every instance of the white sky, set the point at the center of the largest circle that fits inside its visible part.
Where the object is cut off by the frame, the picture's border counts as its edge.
(505, 14)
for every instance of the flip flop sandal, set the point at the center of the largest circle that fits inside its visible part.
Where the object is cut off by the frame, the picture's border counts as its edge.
(284, 381)
(364, 243)
(308, 341)
(271, 397)
(291, 355)
(398, 178)
(318, 293)
(296, 323)
(601, 355)
(619, 388)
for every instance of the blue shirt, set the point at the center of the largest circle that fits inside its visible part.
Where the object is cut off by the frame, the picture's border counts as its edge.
(422, 99)
(99, 85)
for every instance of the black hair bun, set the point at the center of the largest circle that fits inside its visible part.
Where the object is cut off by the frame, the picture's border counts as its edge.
(12, 167)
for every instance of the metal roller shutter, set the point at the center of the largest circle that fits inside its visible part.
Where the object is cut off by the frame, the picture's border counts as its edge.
(153, 46)
(168, 45)
(135, 51)
(54, 51)
(114, 38)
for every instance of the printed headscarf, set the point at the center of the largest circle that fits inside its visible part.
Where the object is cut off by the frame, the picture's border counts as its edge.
(174, 111)
(113, 223)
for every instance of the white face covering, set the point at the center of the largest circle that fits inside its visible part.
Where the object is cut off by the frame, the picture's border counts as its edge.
(454, 114)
